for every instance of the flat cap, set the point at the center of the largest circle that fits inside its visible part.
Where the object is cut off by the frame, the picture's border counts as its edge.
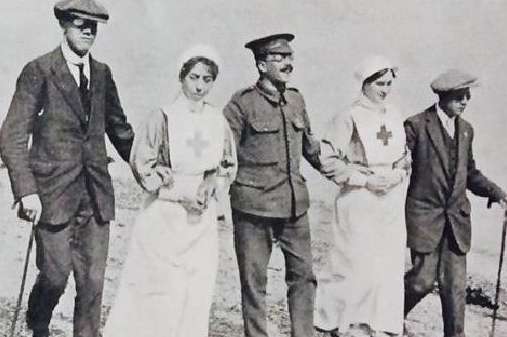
(276, 43)
(86, 9)
(453, 79)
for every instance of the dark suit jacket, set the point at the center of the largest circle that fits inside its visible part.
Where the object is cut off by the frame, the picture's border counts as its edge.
(68, 153)
(431, 201)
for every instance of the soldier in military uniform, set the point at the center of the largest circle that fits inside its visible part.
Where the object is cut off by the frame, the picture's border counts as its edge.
(269, 197)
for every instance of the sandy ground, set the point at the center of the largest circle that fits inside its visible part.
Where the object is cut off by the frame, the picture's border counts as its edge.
(225, 319)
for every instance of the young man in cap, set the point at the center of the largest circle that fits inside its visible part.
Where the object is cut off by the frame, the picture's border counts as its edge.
(269, 198)
(66, 101)
(437, 208)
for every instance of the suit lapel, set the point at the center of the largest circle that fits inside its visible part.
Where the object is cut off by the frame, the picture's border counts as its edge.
(66, 83)
(435, 134)
(463, 143)
(97, 83)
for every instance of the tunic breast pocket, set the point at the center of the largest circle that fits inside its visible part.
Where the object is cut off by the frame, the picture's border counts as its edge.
(264, 141)
(298, 124)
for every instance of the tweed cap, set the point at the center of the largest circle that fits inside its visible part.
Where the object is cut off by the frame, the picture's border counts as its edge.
(276, 43)
(86, 9)
(453, 79)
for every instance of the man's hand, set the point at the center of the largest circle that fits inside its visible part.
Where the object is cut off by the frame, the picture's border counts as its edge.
(332, 168)
(336, 168)
(30, 208)
(206, 189)
(383, 183)
(165, 175)
(377, 184)
(192, 206)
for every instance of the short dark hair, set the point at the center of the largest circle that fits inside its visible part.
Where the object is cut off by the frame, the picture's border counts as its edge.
(190, 63)
(378, 75)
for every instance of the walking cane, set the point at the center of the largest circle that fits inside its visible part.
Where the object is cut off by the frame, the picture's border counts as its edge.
(498, 278)
(23, 280)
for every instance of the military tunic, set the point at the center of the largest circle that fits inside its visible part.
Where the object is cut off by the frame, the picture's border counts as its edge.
(272, 131)
(269, 200)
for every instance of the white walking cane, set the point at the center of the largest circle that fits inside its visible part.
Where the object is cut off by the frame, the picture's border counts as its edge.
(498, 279)
(23, 279)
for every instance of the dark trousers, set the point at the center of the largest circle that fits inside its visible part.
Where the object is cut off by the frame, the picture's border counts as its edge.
(253, 240)
(447, 265)
(80, 246)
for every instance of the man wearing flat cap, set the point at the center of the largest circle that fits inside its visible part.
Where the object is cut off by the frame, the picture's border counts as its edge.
(66, 101)
(269, 198)
(437, 208)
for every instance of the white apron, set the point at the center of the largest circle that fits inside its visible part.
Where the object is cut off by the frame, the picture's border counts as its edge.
(364, 283)
(169, 276)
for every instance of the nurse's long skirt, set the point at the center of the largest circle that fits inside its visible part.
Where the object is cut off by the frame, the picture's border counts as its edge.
(168, 280)
(363, 282)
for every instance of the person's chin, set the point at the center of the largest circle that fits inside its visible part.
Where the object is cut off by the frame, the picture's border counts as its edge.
(283, 79)
(197, 97)
(459, 111)
(83, 49)
(286, 77)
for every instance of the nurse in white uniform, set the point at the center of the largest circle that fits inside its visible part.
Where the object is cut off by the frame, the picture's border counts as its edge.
(184, 157)
(361, 291)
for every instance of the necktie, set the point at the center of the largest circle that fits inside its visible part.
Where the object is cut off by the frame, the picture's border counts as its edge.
(83, 91)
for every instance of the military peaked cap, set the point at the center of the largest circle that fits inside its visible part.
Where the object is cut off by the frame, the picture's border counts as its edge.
(277, 43)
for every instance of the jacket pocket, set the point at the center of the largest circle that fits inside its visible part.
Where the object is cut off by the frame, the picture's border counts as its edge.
(264, 126)
(298, 124)
(42, 168)
(263, 143)
(464, 208)
(465, 212)
(249, 182)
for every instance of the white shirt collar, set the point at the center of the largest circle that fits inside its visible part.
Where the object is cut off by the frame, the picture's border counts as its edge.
(73, 58)
(443, 116)
(447, 122)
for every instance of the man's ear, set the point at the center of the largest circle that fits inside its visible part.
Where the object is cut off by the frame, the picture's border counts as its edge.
(261, 66)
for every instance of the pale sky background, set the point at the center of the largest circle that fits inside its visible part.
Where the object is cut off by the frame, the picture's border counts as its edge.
(144, 39)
